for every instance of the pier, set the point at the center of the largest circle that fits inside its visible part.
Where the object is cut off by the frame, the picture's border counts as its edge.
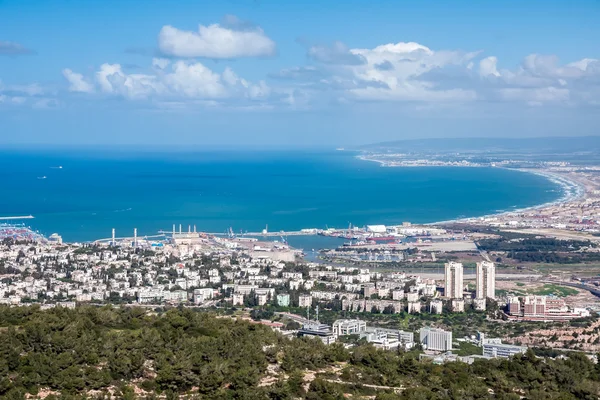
(16, 218)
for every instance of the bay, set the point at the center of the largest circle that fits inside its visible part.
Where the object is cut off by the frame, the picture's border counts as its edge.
(96, 191)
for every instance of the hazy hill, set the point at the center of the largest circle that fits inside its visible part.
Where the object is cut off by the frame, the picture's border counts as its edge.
(540, 145)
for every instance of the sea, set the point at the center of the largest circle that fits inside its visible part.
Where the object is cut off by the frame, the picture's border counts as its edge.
(82, 194)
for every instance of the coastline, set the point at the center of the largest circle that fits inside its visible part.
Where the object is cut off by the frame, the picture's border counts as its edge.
(572, 190)
(568, 196)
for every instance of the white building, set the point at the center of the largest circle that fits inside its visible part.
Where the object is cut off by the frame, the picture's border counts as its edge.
(479, 304)
(502, 350)
(304, 300)
(397, 294)
(436, 306)
(376, 229)
(317, 330)
(414, 307)
(458, 305)
(453, 278)
(262, 299)
(203, 294)
(238, 299)
(436, 339)
(412, 296)
(349, 327)
(486, 280)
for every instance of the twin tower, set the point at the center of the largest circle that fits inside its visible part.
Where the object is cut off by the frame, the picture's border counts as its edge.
(485, 285)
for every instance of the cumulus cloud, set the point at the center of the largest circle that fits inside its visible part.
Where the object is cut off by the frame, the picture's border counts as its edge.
(76, 82)
(235, 40)
(487, 66)
(393, 70)
(160, 63)
(13, 49)
(409, 71)
(174, 83)
(385, 66)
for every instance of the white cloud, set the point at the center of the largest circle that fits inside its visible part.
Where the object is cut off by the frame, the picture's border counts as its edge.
(160, 63)
(173, 83)
(397, 67)
(24, 95)
(195, 80)
(487, 66)
(215, 41)
(112, 79)
(76, 82)
(409, 71)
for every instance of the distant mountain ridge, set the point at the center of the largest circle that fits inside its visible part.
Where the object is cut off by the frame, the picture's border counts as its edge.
(562, 144)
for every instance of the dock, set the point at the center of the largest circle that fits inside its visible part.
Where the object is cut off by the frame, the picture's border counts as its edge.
(269, 234)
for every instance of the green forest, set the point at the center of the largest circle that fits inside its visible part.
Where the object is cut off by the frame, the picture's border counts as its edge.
(129, 352)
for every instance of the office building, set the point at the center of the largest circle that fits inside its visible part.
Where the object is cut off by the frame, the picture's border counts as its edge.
(502, 350)
(349, 327)
(435, 339)
(315, 329)
(453, 277)
(406, 337)
(486, 280)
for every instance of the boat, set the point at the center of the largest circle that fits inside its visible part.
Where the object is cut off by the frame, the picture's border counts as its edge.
(42, 177)
(382, 238)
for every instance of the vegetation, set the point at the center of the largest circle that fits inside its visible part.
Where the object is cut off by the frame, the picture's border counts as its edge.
(541, 250)
(556, 290)
(110, 352)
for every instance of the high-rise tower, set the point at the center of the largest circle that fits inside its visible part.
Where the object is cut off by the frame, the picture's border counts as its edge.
(453, 280)
(486, 280)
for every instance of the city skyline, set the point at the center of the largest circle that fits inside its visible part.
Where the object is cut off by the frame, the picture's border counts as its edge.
(263, 73)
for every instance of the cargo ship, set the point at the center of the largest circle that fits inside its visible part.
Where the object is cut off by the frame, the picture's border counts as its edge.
(383, 238)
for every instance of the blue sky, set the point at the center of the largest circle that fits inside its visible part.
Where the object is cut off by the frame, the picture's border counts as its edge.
(274, 73)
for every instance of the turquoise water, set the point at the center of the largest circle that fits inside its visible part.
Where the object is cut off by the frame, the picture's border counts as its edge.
(97, 191)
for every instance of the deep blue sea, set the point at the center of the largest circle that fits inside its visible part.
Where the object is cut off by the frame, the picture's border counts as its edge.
(95, 191)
